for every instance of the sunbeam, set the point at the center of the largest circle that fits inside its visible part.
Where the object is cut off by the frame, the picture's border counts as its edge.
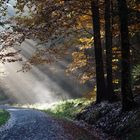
(42, 84)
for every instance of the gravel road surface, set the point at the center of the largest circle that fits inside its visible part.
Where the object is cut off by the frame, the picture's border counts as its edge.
(30, 124)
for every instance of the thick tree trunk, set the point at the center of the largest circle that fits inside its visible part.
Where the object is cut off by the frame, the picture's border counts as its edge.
(108, 44)
(100, 79)
(127, 96)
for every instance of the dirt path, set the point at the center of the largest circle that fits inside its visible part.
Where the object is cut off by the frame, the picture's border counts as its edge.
(29, 124)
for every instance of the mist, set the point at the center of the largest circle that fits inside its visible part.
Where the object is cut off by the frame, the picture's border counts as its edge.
(42, 84)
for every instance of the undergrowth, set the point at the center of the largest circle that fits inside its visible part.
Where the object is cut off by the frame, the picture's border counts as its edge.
(67, 109)
(62, 109)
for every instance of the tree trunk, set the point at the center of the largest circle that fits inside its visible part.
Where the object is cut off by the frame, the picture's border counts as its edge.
(126, 90)
(108, 44)
(100, 79)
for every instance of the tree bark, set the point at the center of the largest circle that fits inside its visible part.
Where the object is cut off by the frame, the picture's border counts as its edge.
(108, 44)
(126, 89)
(100, 79)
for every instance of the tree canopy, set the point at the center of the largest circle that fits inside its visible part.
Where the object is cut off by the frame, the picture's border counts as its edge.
(92, 32)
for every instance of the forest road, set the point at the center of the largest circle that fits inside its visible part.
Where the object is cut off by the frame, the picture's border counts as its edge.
(31, 124)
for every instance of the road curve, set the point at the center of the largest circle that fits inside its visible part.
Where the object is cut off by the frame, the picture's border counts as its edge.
(30, 124)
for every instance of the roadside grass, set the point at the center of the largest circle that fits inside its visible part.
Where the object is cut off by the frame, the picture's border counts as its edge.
(4, 116)
(67, 109)
(64, 109)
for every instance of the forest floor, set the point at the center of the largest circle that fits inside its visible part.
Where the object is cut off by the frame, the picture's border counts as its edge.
(110, 119)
